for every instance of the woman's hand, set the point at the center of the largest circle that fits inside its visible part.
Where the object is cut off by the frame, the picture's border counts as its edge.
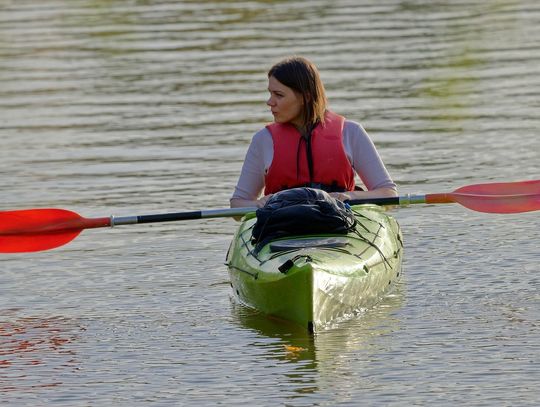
(340, 196)
(374, 193)
(262, 201)
(247, 203)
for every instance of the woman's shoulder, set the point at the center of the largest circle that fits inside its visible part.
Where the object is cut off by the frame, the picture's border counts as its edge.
(262, 134)
(353, 130)
(261, 141)
(262, 138)
(352, 124)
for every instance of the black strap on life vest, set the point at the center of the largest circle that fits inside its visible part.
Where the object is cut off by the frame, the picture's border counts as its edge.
(309, 154)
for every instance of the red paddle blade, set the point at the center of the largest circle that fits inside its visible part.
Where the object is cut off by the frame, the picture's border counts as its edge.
(502, 188)
(499, 203)
(32, 230)
(501, 197)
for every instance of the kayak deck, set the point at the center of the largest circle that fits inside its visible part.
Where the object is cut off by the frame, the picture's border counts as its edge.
(314, 280)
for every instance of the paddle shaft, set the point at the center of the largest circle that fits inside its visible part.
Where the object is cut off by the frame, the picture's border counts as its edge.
(231, 212)
(80, 223)
(404, 200)
(85, 223)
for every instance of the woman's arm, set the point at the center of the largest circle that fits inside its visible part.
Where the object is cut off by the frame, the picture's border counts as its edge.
(368, 165)
(249, 203)
(374, 193)
(251, 181)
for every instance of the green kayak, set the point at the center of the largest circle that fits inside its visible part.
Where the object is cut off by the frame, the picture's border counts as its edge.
(317, 279)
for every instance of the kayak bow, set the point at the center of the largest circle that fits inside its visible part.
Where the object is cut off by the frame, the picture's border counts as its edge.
(314, 280)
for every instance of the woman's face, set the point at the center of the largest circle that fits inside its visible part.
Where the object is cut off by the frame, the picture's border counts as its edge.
(286, 104)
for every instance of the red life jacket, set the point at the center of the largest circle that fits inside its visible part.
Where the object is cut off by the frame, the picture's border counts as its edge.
(331, 169)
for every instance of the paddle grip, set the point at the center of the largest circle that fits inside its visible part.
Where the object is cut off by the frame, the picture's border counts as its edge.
(375, 201)
(169, 217)
(440, 198)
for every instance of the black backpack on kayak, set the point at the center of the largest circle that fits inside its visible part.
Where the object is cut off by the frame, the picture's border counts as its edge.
(301, 211)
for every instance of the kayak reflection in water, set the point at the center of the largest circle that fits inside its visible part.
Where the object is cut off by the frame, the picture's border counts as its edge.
(308, 144)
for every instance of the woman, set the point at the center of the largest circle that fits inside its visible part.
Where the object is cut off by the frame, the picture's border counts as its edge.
(308, 145)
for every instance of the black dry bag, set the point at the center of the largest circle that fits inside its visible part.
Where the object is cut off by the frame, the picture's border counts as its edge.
(301, 211)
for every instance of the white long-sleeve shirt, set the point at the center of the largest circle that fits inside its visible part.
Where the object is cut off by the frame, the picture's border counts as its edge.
(359, 148)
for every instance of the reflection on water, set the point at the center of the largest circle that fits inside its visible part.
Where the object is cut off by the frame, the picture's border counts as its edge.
(296, 343)
(323, 360)
(139, 107)
(34, 351)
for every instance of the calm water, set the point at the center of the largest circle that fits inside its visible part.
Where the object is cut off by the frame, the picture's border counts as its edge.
(139, 107)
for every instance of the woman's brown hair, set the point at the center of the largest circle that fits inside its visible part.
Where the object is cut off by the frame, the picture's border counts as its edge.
(302, 76)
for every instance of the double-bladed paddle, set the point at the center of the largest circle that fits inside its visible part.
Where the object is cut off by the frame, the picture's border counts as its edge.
(31, 230)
